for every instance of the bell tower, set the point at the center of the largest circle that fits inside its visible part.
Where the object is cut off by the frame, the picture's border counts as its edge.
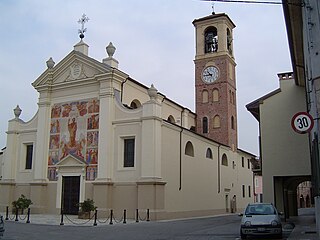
(215, 80)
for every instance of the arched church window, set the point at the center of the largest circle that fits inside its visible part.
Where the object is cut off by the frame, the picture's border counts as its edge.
(211, 40)
(189, 149)
(135, 104)
(205, 96)
(224, 161)
(232, 122)
(205, 125)
(209, 153)
(216, 121)
(171, 119)
(215, 95)
(229, 41)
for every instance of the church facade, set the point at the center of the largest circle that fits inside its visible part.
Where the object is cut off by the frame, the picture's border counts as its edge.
(100, 134)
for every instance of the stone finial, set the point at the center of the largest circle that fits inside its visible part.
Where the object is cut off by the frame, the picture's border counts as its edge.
(50, 63)
(110, 49)
(110, 60)
(17, 112)
(152, 91)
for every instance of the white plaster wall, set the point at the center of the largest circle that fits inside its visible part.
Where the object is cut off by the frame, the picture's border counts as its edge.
(122, 131)
(284, 152)
(132, 91)
(1, 163)
(199, 186)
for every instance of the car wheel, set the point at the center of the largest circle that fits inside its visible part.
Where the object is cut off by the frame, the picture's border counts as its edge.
(243, 236)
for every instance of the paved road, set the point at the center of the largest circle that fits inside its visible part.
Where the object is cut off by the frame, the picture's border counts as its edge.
(223, 227)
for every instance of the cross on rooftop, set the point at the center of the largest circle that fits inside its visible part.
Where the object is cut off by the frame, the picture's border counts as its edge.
(82, 21)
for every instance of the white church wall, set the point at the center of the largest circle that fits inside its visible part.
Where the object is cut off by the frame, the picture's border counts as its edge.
(199, 173)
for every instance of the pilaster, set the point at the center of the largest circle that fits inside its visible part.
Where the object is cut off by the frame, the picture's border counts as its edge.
(106, 97)
(151, 137)
(108, 83)
(42, 138)
(185, 118)
(11, 153)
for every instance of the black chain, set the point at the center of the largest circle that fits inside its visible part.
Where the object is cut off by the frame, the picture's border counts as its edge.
(82, 223)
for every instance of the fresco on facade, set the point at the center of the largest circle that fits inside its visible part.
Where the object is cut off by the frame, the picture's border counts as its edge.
(74, 131)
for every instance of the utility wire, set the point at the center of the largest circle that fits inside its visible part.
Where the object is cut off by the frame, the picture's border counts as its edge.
(301, 4)
(244, 1)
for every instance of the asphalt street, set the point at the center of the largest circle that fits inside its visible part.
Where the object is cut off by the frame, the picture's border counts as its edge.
(222, 227)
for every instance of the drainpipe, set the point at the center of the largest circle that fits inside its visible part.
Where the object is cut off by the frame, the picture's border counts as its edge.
(180, 155)
(219, 169)
(122, 87)
(180, 162)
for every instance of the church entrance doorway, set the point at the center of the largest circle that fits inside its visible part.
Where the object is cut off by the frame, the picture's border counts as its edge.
(70, 194)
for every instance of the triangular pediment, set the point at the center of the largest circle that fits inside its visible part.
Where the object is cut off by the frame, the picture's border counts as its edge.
(71, 161)
(75, 67)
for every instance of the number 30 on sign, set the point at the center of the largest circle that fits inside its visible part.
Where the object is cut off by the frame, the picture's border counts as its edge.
(302, 122)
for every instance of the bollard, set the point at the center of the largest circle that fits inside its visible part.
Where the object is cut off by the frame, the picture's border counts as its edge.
(95, 217)
(17, 215)
(111, 217)
(148, 215)
(125, 216)
(61, 222)
(28, 218)
(7, 213)
(137, 215)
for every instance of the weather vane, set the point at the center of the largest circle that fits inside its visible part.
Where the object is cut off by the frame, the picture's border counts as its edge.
(212, 5)
(82, 21)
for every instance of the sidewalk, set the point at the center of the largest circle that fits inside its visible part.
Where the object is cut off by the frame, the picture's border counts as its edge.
(305, 225)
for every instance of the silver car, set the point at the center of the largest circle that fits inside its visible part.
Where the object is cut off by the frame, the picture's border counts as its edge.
(1, 226)
(260, 219)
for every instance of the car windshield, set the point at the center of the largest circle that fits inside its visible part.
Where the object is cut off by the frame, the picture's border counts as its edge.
(260, 209)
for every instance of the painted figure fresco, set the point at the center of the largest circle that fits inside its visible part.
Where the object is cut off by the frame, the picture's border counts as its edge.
(93, 122)
(74, 131)
(55, 126)
(72, 128)
(55, 112)
(92, 139)
(53, 157)
(93, 106)
(54, 142)
(82, 108)
(92, 156)
(91, 173)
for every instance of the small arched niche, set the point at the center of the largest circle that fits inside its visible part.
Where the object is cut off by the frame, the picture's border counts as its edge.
(189, 149)
(135, 104)
(171, 119)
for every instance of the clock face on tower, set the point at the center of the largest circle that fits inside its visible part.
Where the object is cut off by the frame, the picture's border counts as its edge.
(210, 74)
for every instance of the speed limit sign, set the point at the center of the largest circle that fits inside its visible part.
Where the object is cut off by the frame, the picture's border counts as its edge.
(302, 122)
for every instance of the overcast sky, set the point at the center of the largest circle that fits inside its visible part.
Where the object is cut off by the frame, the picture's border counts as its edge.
(155, 44)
